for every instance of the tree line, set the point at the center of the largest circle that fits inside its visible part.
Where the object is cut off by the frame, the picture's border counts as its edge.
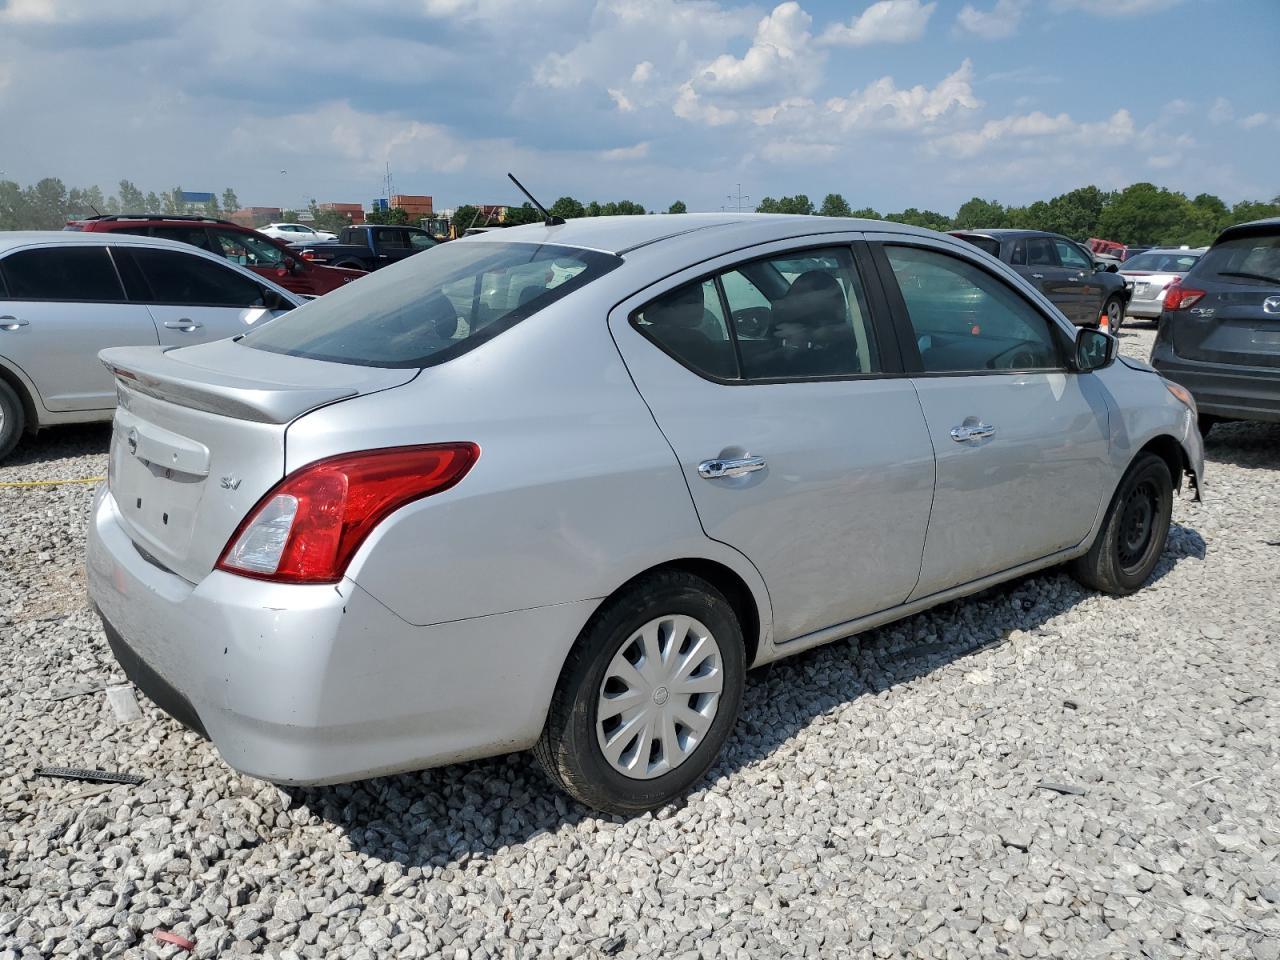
(48, 204)
(1141, 213)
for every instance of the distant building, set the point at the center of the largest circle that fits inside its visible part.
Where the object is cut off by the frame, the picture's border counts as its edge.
(190, 196)
(352, 211)
(414, 205)
(255, 216)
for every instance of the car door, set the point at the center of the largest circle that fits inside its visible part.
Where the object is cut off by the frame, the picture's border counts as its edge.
(1054, 281)
(63, 303)
(1020, 441)
(803, 447)
(263, 258)
(194, 299)
(1078, 271)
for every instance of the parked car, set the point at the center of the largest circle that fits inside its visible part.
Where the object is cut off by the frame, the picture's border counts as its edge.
(264, 256)
(1062, 270)
(1149, 276)
(296, 233)
(65, 296)
(370, 246)
(1219, 333)
(449, 560)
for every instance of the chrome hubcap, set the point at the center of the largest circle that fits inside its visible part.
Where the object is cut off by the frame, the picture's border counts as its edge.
(659, 697)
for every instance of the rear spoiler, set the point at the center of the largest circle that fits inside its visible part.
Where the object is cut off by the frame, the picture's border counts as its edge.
(153, 373)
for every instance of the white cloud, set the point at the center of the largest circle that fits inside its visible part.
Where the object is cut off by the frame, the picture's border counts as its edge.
(995, 24)
(1221, 112)
(621, 100)
(798, 152)
(637, 152)
(1020, 129)
(689, 106)
(1259, 119)
(884, 104)
(643, 72)
(66, 12)
(887, 21)
(780, 52)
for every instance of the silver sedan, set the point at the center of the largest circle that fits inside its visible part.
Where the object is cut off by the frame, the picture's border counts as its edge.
(1151, 273)
(559, 487)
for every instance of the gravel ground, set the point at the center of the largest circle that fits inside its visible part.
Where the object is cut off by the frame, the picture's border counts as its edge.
(1036, 771)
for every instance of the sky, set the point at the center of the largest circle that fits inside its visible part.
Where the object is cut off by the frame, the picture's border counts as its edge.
(892, 104)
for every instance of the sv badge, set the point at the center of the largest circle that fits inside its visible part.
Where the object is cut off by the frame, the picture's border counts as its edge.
(231, 483)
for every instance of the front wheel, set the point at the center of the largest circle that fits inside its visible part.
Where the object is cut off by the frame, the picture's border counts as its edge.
(1134, 531)
(1113, 310)
(647, 697)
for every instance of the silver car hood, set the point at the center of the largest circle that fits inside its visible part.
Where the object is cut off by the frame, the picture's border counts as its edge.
(232, 380)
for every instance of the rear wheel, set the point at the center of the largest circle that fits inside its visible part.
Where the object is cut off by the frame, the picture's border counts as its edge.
(647, 697)
(1113, 310)
(1133, 532)
(13, 419)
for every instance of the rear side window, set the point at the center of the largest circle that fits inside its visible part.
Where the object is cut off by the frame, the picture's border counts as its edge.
(798, 316)
(68, 273)
(391, 240)
(985, 244)
(246, 249)
(194, 236)
(179, 279)
(967, 321)
(432, 307)
(1071, 256)
(1244, 260)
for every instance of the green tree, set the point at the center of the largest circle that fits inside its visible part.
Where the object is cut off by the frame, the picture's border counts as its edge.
(1076, 213)
(568, 208)
(465, 217)
(131, 199)
(171, 201)
(867, 213)
(398, 216)
(1147, 214)
(47, 204)
(979, 214)
(330, 221)
(593, 209)
(525, 213)
(13, 206)
(678, 207)
(151, 204)
(929, 219)
(834, 205)
(230, 202)
(799, 204)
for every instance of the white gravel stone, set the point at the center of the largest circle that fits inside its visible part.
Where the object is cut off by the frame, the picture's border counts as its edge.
(880, 797)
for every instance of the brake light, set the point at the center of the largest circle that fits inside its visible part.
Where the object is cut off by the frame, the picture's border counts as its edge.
(1178, 297)
(309, 526)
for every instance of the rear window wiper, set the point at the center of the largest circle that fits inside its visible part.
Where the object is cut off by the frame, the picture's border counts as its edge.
(1249, 276)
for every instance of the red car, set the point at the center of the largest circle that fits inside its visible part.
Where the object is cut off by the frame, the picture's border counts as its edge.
(249, 248)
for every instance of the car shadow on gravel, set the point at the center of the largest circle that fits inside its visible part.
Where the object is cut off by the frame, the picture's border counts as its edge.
(449, 816)
(1248, 443)
(60, 443)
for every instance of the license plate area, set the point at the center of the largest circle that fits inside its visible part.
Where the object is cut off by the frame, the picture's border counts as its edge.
(157, 480)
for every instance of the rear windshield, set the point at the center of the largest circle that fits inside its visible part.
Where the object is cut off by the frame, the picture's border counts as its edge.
(1179, 262)
(985, 244)
(1244, 260)
(433, 306)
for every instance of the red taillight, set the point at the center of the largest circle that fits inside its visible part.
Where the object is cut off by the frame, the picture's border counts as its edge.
(1178, 297)
(307, 528)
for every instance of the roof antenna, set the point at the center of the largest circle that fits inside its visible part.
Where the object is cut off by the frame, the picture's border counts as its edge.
(548, 218)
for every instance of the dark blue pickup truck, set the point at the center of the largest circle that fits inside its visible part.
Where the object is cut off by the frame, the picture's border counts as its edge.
(368, 246)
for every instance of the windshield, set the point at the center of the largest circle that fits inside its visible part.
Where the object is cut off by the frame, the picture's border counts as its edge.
(1245, 259)
(1178, 262)
(432, 307)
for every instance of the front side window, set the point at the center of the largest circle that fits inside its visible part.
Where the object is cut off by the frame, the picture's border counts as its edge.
(247, 250)
(184, 280)
(68, 273)
(1040, 252)
(1071, 256)
(429, 309)
(965, 320)
(391, 240)
(421, 241)
(194, 236)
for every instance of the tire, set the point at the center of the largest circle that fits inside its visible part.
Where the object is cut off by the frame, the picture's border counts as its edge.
(1113, 307)
(1134, 531)
(572, 747)
(13, 419)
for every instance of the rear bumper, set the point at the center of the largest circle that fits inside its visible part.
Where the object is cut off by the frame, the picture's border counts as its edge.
(1146, 309)
(322, 684)
(1223, 390)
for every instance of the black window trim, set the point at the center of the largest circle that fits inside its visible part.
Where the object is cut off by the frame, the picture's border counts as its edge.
(4, 285)
(887, 340)
(912, 361)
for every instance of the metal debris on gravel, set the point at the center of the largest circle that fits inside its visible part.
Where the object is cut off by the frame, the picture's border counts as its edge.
(887, 797)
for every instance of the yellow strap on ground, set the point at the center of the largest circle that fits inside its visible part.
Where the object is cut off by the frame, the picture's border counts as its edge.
(48, 483)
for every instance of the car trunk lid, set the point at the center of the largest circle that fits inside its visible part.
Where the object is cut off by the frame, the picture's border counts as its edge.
(1236, 325)
(199, 437)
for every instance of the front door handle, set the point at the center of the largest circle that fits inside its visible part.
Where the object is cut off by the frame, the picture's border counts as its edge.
(184, 325)
(1073, 279)
(1037, 276)
(738, 467)
(12, 323)
(979, 431)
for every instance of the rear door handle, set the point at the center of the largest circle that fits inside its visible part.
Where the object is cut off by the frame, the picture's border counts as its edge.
(185, 325)
(964, 434)
(1037, 276)
(739, 467)
(12, 323)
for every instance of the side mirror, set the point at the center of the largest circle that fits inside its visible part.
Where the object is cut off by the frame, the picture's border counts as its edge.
(1094, 350)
